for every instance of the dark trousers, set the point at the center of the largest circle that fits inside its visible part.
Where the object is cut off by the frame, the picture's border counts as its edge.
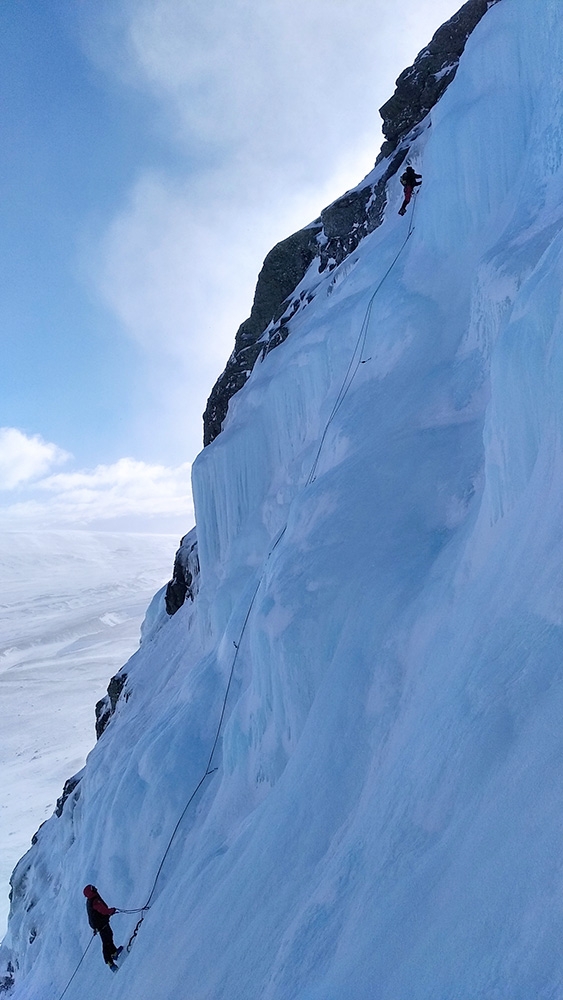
(408, 195)
(108, 945)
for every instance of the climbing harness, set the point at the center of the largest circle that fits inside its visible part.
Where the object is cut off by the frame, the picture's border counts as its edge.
(353, 366)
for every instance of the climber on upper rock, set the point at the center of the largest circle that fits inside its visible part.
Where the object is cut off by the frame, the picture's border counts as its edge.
(409, 180)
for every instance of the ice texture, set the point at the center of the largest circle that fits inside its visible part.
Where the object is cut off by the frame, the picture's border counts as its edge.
(386, 818)
(71, 606)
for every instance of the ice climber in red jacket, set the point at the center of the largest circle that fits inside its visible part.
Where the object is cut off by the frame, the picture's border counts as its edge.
(410, 180)
(98, 918)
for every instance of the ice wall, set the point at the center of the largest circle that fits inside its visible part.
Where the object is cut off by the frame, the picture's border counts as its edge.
(385, 819)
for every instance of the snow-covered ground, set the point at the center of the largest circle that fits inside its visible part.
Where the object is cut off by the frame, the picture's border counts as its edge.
(385, 821)
(71, 604)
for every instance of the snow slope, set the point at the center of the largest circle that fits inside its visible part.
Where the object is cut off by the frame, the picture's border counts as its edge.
(386, 817)
(71, 606)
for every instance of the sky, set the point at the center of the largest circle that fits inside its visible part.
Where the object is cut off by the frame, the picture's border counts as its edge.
(153, 152)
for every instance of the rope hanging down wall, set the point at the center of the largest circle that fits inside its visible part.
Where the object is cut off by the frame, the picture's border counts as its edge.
(208, 769)
(347, 382)
(353, 366)
(356, 359)
(78, 966)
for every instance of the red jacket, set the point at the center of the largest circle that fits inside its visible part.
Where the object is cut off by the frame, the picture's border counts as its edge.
(100, 907)
(98, 911)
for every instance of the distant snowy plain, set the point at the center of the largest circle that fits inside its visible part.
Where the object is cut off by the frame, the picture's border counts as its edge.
(71, 605)
(385, 818)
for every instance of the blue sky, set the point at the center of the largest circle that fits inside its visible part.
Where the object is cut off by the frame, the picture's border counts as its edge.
(153, 152)
(71, 146)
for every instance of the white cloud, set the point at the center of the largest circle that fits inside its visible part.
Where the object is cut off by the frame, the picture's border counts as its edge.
(127, 493)
(286, 84)
(178, 267)
(281, 82)
(24, 458)
(127, 486)
(162, 265)
(271, 110)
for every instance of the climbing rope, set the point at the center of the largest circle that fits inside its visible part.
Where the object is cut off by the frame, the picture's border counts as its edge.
(353, 366)
(356, 359)
(78, 966)
(208, 769)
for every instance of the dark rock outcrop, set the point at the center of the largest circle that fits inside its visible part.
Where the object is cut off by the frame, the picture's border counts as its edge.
(185, 580)
(106, 706)
(354, 216)
(421, 86)
(283, 269)
(7, 981)
(342, 225)
(68, 788)
(184, 584)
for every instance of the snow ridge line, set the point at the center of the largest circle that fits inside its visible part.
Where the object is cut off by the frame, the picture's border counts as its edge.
(358, 350)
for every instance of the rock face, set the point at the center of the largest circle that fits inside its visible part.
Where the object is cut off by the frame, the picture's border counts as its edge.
(106, 706)
(282, 270)
(356, 214)
(7, 981)
(421, 86)
(69, 787)
(185, 579)
(341, 226)
(184, 584)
